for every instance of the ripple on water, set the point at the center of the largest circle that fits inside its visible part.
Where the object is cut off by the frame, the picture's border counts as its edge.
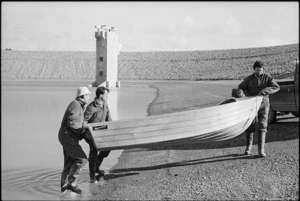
(41, 184)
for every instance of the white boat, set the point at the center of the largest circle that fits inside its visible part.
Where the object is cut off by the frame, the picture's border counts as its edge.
(217, 123)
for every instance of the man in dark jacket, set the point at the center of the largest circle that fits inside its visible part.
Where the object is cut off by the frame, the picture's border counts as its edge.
(259, 84)
(97, 111)
(71, 131)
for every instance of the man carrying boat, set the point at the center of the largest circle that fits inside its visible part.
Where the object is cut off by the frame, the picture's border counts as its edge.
(259, 84)
(71, 131)
(97, 111)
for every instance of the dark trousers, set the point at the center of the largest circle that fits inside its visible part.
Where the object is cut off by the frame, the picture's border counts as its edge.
(261, 121)
(74, 157)
(95, 159)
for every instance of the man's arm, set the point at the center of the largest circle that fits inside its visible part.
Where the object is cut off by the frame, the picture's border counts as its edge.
(244, 86)
(88, 114)
(74, 110)
(108, 116)
(272, 87)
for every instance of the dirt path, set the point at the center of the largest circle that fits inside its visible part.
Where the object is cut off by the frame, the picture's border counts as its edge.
(215, 171)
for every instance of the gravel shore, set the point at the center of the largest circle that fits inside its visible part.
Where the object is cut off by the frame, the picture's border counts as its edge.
(214, 171)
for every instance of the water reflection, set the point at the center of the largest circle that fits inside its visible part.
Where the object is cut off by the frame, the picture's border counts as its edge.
(32, 157)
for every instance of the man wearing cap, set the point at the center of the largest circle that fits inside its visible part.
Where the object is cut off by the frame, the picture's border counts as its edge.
(97, 111)
(259, 84)
(71, 131)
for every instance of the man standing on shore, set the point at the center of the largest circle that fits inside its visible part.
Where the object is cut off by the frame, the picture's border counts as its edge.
(259, 84)
(97, 111)
(71, 131)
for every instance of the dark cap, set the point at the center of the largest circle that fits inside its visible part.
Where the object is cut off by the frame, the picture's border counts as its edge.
(258, 64)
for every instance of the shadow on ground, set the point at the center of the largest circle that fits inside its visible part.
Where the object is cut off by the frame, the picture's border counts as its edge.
(229, 157)
(111, 175)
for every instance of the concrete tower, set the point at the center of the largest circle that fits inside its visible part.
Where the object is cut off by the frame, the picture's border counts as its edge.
(107, 50)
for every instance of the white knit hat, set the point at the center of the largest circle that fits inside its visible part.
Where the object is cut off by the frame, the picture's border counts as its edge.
(82, 91)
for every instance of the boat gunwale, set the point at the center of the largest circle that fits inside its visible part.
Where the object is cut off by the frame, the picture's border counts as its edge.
(163, 116)
(106, 133)
(172, 142)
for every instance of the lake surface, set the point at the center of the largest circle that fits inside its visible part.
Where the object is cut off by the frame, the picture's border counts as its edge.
(31, 155)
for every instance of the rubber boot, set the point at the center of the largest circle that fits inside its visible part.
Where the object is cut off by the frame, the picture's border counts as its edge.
(75, 189)
(249, 141)
(261, 143)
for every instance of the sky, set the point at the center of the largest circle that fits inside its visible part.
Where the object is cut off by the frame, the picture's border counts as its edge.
(149, 26)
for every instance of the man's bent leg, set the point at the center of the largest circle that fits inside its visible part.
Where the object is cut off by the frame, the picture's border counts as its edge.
(92, 162)
(75, 151)
(249, 137)
(100, 158)
(262, 129)
(68, 161)
(249, 142)
(261, 143)
(75, 170)
(73, 175)
(98, 164)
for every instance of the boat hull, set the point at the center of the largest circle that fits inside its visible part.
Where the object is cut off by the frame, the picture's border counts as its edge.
(221, 122)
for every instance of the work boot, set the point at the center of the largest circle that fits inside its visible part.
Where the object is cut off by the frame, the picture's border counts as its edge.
(63, 188)
(261, 143)
(94, 180)
(75, 189)
(249, 142)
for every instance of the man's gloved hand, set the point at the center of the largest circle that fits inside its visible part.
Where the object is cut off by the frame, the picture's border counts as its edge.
(88, 135)
(262, 93)
(85, 126)
(240, 93)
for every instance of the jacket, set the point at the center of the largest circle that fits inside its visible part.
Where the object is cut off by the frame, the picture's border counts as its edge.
(254, 84)
(73, 118)
(95, 112)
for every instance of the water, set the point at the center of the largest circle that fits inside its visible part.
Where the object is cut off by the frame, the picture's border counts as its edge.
(31, 155)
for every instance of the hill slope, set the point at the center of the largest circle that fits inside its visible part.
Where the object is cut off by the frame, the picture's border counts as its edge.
(182, 65)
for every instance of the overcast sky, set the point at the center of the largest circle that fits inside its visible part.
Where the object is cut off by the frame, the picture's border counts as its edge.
(149, 26)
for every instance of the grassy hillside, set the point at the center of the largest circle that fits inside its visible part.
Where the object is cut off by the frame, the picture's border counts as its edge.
(181, 65)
